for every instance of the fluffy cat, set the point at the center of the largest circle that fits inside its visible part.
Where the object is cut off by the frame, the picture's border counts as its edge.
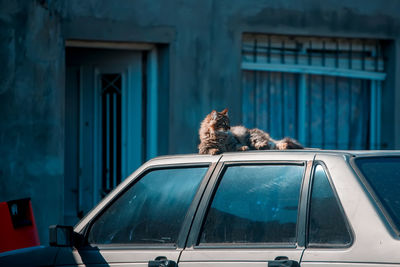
(216, 136)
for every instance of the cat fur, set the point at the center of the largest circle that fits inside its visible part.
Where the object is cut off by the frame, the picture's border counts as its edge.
(216, 136)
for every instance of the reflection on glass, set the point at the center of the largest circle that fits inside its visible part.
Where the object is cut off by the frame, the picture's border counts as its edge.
(327, 225)
(255, 204)
(383, 175)
(151, 211)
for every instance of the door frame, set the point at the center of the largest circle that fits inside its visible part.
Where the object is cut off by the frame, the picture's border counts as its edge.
(149, 109)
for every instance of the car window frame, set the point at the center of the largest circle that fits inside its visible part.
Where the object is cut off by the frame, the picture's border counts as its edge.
(183, 233)
(376, 202)
(195, 233)
(341, 210)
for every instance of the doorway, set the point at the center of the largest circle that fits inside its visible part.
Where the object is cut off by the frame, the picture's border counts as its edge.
(111, 121)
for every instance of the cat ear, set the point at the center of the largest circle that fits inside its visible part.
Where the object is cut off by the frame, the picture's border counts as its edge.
(214, 115)
(225, 111)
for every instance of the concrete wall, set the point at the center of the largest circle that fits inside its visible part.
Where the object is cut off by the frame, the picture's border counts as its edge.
(32, 109)
(203, 40)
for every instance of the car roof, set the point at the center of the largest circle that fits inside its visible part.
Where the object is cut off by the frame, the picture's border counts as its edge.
(351, 153)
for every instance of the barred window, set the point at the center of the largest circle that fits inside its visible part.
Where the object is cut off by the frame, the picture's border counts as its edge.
(323, 91)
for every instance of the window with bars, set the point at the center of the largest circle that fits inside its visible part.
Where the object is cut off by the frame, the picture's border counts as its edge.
(323, 91)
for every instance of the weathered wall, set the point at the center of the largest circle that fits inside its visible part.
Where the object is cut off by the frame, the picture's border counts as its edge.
(204, 41)
(32, 109)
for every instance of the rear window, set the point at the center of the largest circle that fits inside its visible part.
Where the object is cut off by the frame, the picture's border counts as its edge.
(383, 176)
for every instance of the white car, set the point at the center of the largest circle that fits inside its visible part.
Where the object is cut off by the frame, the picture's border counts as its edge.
(258, 208)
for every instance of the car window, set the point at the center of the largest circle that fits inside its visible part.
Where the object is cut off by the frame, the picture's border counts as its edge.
(255, 204)
(151, 211)
(383, 176)
(327, 225)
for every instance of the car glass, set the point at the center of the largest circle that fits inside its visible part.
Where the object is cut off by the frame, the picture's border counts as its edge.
(326, 223)
(255, 204)
(383, 176)
(151, 211)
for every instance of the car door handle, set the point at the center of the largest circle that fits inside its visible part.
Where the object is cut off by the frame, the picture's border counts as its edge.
(283, 261)
(162, 261)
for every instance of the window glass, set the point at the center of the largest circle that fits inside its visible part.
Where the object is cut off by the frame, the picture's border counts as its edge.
(383, 175)
(327, 225)
(255, 204)
(151, 211)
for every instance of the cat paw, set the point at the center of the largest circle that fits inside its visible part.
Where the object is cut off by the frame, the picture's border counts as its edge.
(213, 151)
(282, 146)
(243, 148)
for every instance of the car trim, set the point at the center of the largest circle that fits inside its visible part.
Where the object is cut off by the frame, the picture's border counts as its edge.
(303, 204)
(197, 222)
(245, 245)
(124, 246)
(194, 206)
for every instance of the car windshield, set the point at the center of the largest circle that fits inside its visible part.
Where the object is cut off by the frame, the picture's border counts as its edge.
(383, 176)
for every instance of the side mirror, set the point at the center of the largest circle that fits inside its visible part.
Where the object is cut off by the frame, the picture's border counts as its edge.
(61, 235)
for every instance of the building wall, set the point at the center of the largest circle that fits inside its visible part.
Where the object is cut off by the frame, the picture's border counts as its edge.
(32, 109)
(203, 40)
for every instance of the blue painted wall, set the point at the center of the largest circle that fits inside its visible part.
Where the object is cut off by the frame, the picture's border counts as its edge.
(203, 40)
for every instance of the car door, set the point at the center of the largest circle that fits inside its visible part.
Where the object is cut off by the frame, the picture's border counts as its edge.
(148, 221)
(252, 212)
(345, 228)
(328, 231)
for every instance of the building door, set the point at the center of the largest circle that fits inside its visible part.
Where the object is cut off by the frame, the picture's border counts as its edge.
(110, 102)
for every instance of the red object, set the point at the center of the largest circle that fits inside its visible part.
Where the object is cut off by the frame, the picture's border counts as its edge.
(17, 225)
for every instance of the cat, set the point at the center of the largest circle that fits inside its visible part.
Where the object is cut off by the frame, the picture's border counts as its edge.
(217, 136)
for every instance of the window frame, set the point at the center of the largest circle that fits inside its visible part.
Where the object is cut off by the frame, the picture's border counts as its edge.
(195, 233)
(187, 221)
(378, 205)
(341, 210)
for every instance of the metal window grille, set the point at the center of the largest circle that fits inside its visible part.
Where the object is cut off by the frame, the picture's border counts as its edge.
(323, 91)
(111, 131)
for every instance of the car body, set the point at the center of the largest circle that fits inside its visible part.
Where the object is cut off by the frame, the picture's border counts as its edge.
(255, 208)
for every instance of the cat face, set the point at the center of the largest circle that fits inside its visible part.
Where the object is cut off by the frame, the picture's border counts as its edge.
(220, 120)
